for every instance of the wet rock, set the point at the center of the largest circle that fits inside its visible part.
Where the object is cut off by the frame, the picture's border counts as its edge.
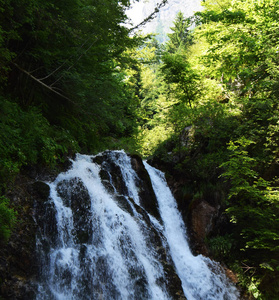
(75, 195)
(124, 204)
(174, 282)
(146, 193)
(109, 187)
(46, 211)
(111, 172)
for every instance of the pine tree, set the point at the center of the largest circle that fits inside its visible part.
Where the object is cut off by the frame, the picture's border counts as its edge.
(179, 38)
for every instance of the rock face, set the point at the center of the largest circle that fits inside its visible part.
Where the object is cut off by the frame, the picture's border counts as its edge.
(18, 264)
(146, 193)
(18, 259)
(79, 201)
(202, 217)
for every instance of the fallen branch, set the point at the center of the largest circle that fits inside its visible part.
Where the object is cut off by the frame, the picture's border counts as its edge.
(248, 268)
(41, 83)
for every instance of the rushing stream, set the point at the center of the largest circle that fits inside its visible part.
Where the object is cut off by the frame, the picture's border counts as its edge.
(108, 232)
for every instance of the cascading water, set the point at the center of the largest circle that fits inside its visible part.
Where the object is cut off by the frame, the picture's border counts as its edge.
(103, 236)
(201, 278)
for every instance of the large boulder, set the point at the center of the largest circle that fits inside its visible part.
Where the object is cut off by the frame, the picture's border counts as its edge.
(201, 218)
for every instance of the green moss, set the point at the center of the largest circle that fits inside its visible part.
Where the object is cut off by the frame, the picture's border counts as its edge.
(7, 219)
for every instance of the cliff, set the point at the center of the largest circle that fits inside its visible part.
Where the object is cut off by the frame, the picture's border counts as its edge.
(164, 19)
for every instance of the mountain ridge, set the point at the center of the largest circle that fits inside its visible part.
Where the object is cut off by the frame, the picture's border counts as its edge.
(164, 19)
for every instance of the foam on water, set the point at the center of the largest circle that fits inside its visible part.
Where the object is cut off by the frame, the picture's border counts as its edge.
(98, 250)
(201, 278)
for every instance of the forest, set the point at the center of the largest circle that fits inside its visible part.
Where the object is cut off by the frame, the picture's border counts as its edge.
(74, 78)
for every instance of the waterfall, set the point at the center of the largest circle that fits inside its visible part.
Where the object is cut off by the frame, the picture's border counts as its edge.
(201, 278)
(111, 232)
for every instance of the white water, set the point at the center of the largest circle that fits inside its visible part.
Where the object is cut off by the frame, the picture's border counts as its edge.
(198, 280)
(103, 248)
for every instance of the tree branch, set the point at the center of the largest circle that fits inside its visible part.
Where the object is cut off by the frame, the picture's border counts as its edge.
(151, 16)
(41, 83)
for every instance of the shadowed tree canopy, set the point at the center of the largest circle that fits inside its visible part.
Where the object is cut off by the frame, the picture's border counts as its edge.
(62, 64)
(65, 58)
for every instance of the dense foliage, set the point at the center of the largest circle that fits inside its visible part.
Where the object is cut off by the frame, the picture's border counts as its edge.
(213, 116)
